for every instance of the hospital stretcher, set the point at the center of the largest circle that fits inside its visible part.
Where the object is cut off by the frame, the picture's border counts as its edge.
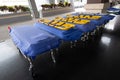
(71, 35)
(32, 41)
(84, 25)
(113, 10)
(67, 35)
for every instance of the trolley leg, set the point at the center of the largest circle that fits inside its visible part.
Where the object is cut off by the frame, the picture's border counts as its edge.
(52, 56)
(71, 44)
(31, 69)
(75, 43)
(31, 64)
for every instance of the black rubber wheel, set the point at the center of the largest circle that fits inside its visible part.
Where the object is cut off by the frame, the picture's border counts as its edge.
(34, 74)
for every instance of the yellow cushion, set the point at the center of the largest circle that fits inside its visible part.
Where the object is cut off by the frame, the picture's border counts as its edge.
(81, 22)
(65, 26)
(76, 17)
(89, 17)
(68, 15)
(53, 22)
(58, 18)
(59, 23)
(46, 21)
(95, 17)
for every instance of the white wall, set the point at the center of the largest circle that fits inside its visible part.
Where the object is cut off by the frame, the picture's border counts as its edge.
(78, 5)
(84, 1)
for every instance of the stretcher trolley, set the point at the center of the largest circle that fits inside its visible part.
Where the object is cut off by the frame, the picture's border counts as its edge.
(32, 42)
(91, 24)
(64, 30)
(112, 10)
(101, 22)
(70, 34)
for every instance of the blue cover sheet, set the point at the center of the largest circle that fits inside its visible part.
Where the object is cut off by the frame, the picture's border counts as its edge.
(86, 27)
(33, 41)
(67, 35)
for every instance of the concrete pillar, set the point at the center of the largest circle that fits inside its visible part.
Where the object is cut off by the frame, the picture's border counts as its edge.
(33, 8)
(72, 3)
(61, 0)
(57, 1)
(52, 1)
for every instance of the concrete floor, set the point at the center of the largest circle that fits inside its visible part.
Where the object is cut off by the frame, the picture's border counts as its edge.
(13, 66)
(99, 59)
